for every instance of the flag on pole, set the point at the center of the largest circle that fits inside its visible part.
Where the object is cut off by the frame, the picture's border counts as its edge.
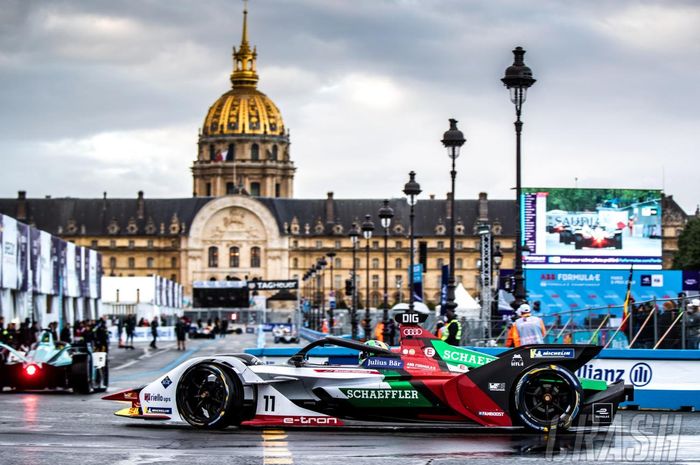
(218, 157)
(224, 154)
(628, 297)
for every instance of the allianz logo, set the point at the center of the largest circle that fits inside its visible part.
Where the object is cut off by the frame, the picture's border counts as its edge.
(639, 375)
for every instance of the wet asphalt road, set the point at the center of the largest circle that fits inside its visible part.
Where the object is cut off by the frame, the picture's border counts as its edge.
(55, 428)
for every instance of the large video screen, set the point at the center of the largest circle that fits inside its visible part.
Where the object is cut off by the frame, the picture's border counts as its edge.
(591, 228)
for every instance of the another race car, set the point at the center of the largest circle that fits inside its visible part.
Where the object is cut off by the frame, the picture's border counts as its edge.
(285, 333)
(597, 237)
(424, 380)
(51, 364)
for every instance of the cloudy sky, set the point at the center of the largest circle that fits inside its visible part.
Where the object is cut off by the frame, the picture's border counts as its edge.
(109, 95)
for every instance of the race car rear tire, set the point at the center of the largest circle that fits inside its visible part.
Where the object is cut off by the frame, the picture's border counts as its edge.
(546, 397)
(209, 396)
(578, 242)
(80, 374)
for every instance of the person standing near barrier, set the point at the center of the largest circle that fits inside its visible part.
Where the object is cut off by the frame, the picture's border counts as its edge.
(452, 331)
(130, 328)
(180, 333)
(154, 332)
(692, 324)
(526, 330)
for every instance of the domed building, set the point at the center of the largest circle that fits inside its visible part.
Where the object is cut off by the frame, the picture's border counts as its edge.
(243, 144)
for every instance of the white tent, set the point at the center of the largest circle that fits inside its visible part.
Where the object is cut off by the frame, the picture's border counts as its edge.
(467, 307)
(420, 307)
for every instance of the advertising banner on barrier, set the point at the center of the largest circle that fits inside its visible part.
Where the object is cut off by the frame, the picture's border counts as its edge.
(35, 258)
(92, 273)
(592, 228)
(71, 280)
(9, 253)
(572, 289)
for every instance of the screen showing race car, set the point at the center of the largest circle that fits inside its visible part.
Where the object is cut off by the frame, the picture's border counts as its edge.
(591, 228)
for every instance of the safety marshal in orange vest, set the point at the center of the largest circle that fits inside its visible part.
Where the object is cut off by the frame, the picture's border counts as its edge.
(526, 330)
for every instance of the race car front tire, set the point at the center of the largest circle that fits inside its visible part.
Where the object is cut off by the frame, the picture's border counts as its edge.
(547, 397)
(209, 396)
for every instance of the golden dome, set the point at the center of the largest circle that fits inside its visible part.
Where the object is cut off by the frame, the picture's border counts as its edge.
(244, 109)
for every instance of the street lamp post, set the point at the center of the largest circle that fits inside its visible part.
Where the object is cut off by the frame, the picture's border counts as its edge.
(367, 228)
(321, 266)
(312, 276)
(518, 79)
(386, 213)
(411, 189)
(331, 303)
(497, 260)
(354, 237)
(453, 140)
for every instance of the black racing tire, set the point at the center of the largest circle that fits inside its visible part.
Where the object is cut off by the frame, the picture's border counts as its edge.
(239, 331)
(209, 396)
(578, 242)
(81, 373)
(547, 397)
(101, 381)
(618, 241)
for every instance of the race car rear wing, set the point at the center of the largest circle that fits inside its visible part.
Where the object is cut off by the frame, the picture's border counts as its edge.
(14, 353)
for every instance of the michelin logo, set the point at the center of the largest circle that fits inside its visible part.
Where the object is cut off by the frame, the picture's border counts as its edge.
(552, 353)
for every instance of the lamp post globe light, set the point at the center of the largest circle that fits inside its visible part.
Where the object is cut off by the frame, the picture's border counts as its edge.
(386, 213)
(453, 140)
(354, 234)
(367, 228)
(331, 303)
(518, 79)
(411, 189)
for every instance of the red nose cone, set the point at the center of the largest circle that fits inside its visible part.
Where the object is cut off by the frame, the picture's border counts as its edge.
(31, 370)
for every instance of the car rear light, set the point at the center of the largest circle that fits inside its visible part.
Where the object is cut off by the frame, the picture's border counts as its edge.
(31, 370)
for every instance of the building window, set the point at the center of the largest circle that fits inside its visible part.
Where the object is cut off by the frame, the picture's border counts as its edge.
(338, 245)
(173, 262)
(93, 244)
(337, 284)
(255, 152)
(440, 245)
(399, 263)
(375, 299)
(295, 263)
(255, 257)
(229, 188)
(460, 264)
(131, 244)
(231, 153)
(295, 244)
(149, 262)
(132, 262)
(375, 281)
(208, 189)
(278, 190)
(150, 243)
(255, 189)
(338, 262)
(357, 263)
(234, 257)
(213, 257)
(459, 245)
(375, 244)
(375, 263)
(398, 244)
(173, 243)
(458, 278)
(273, 153)
(319, 244)
(440, 262)
(173, 278)
(212, 152)
(112, 244)
(112, 262)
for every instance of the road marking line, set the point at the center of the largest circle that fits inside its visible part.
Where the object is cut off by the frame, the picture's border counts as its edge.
(275, 451)
(127, 364)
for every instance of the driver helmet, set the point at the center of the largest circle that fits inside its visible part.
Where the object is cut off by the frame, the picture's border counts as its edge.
(372, 343)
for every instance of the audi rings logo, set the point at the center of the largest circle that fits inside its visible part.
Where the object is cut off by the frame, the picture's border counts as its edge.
(640, 374)
(412, 331)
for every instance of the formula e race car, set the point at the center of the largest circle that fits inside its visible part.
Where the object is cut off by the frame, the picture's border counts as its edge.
(597, 237)
(424, 380)
(51, 364)
(286, 334)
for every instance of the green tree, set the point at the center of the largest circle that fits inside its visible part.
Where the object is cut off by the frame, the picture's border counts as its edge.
(688, 255)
